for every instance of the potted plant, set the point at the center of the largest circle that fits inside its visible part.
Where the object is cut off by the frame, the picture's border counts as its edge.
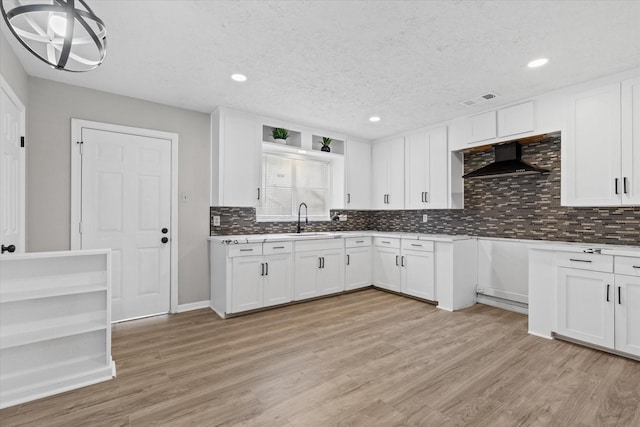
(280, 135)
(325, 144)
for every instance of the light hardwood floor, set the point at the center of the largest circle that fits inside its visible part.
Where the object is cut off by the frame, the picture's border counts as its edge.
(366, 358)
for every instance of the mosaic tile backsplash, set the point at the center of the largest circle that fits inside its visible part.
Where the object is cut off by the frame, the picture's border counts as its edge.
(523, 207)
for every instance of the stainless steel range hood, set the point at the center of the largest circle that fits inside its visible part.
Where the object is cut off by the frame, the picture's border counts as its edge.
(507, 162)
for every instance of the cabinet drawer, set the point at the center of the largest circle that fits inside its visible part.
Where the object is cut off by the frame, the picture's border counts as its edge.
(593, 262)
(245, 250)
(356, 242)
(627, 265)
(319, 245)
(277, 248)
(417, 245)
(386, 242)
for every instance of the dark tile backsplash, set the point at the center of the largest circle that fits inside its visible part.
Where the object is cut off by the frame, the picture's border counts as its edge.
(524, 207)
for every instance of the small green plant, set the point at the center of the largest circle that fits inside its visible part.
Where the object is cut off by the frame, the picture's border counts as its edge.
(280, 133)
(326, 141)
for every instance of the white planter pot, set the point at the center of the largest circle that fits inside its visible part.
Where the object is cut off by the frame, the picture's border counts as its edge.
(280, 141)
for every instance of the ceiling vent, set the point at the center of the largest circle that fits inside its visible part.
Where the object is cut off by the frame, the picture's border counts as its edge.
(479, 99)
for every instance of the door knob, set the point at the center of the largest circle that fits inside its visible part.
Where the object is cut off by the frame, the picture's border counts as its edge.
(165, 230)
(164, 239)
(10, 248)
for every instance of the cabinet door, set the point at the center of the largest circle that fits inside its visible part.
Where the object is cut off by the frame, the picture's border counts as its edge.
(438, 196)
(627, 303)
(591, 158)
(307, 268)
(386, 268)
(246, 283)
(380, 175)
(631, 142)
(483, 126)
(417, 173)
(358, 268)
(395, 200)
(586, 306)
(516, 119)
(278, 279)
(331, 277)
(418, 274)
(358, 165)
(241, 162)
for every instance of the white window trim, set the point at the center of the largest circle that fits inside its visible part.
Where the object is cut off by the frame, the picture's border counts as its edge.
(294, 218)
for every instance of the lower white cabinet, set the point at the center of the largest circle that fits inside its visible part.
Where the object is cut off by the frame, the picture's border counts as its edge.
(417, 268)
(358, 272)
(55, 323)
(386, 263)
(319, 268)
(600, 308)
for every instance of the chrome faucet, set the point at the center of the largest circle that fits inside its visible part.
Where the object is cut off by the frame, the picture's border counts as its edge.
(306, 221)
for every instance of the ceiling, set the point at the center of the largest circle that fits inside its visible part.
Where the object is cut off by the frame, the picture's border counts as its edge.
(333, 64)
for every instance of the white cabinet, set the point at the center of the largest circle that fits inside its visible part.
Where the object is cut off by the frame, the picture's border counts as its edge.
(417, 268)
(585, 306)
(250, 276)
(358, 175)
(516, 119)
(600, 307)
(319, 268)
(55, 323)
(388, 174)
(426, 169)
(236, 159)
(482, 127)
(358, 270)
(601, 153)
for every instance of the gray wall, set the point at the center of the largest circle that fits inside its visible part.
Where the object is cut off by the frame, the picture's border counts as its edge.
(52, 105)
(12, 71)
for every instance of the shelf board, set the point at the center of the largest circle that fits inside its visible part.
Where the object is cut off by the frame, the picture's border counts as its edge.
(49, 330)
(289, 149)
(24, 295)
(19, 289)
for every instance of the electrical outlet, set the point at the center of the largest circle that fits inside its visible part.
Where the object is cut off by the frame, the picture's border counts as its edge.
(343, 217)
(424, 218)
(216, 221)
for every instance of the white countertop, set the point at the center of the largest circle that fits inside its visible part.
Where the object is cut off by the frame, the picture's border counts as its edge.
(618, 250)
(261, 238)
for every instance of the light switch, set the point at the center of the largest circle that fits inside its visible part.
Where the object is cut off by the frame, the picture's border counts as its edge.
(216, 221)
(424, 218)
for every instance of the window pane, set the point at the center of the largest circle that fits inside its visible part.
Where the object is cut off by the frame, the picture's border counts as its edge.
(315, 200)
(311, 174)
(277, 201)
(277, 171)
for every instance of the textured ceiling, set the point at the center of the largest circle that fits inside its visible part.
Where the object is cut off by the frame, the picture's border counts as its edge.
(332, 64)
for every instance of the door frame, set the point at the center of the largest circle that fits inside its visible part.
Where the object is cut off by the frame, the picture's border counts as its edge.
(76, 190)
(6, 88)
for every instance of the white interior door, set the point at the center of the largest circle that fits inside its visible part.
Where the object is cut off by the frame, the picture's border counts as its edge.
(126, 206)
(12, 172)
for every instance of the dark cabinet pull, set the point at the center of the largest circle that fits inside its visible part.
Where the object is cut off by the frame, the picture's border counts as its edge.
(635, 266)
(348, 260)
(423, 196)
(262, 269)
(624, 185)
(397, 256)
(322, 262)
(11, 248)
(164, 240)
(319, 262)
(415, 244)
(362, 241)
(580, 260)
(266, 268)
(385, 241)
(278, 247)
(258, 193)
(608, 286)
(388, 197)
(616, 185)
(619, 295)
(426, 196)
(246, 250)
(402, 261)
(348, 197)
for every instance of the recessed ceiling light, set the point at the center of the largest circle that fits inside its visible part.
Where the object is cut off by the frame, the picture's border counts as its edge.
(239, 77)
(537, 63)
(301, 151)
(374, 119)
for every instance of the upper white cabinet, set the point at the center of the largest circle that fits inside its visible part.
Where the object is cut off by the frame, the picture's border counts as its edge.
(601, 151)
(516, 119)
(236, 163)
(358, 175)
(482, 126)
(426, 169)
(388, 174)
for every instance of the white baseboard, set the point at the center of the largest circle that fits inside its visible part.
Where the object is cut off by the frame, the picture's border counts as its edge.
(193, 306)
(535, 334)
(505, 305)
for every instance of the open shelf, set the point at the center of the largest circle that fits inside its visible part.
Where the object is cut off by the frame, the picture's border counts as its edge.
(44, 331)
(270, 147)
(10, 295)
(294, 140)
(337, 145)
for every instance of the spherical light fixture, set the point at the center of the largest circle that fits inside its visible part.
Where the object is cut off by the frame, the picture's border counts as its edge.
(374, 119)
(238, 77)
(537, 63)
(65, 34)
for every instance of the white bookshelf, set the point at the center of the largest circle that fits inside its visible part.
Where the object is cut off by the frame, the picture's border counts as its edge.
(55, 323)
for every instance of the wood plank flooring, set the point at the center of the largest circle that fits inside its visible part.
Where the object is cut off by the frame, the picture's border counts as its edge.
(366, 358)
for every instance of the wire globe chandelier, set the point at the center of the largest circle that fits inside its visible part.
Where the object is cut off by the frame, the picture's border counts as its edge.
(65, 34)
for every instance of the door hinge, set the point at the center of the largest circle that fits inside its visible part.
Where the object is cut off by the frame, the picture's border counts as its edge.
(80, 227)
(22, 141)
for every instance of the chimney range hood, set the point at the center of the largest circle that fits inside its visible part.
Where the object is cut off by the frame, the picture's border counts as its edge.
(507, 162)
